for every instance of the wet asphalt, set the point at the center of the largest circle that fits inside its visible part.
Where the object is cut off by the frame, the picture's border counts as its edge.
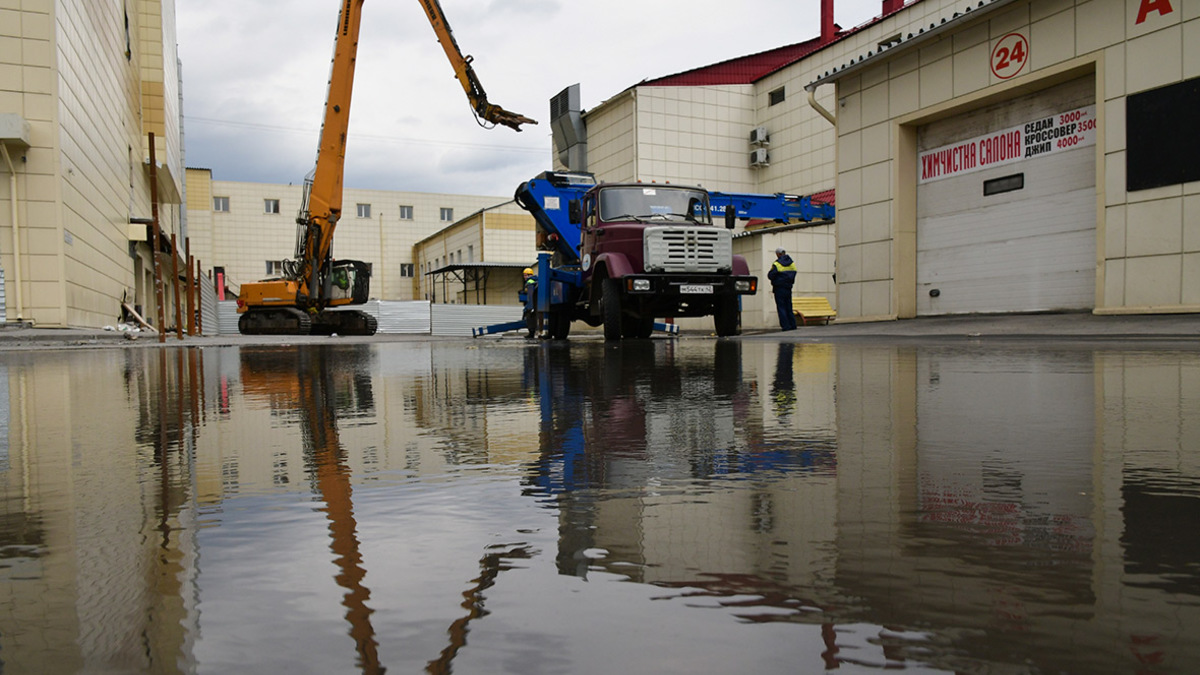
(1183, 328)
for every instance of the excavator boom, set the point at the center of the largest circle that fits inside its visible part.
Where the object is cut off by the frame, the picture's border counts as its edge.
(313, 283)
(484, 110)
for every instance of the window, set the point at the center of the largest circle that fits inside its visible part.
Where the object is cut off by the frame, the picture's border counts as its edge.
(406, 269)
(471, 253)
(1161, 149)
(447, 215)
(406, 213)
(364, 210)
(777, 96)
(998, 186)
(274, 268)
(221, 204)
(270, 206)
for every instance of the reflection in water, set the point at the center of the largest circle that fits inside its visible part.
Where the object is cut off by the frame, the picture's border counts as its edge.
(319, 385)
(661, 505)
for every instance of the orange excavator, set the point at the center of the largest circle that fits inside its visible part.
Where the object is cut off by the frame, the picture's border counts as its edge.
(314, 288)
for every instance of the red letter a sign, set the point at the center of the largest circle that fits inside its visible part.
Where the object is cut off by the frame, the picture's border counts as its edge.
(1163, 7)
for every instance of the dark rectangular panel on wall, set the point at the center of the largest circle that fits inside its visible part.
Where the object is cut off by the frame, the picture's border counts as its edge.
(1162, 133)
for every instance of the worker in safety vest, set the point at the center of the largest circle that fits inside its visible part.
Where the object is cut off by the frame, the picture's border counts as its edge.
(783, 276)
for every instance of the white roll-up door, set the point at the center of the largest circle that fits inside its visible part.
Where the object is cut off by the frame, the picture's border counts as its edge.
(1006, 206)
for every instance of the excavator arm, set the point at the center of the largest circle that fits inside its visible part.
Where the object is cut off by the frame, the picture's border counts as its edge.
(313, 282)
(484, 111)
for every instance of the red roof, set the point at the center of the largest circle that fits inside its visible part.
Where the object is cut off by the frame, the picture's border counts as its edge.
(742, 70)
(824, 197)
(750, 69)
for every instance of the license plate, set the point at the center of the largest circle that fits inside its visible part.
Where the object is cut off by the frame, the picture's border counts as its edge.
(696, 288)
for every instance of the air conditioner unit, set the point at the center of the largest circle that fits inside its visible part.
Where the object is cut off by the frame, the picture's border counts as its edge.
(759, 158)
(760, 137)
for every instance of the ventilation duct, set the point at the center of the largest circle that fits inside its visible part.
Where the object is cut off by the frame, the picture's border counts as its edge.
(568, 129)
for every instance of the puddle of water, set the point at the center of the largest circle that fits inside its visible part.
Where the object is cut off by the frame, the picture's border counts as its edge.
(673, 506)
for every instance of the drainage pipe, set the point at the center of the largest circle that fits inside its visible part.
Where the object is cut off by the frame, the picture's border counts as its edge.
(16, 232)
(812, 101)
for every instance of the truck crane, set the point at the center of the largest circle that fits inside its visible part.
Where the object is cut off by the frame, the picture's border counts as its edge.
(306, 298)
(618, 255)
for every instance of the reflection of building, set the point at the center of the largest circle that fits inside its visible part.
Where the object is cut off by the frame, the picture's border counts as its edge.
(97, 529)
(997, 494)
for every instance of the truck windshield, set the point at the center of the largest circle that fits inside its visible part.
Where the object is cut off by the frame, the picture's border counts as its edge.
(654, 202)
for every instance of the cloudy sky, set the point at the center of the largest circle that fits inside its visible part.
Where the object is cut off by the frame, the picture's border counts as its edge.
(255, 74)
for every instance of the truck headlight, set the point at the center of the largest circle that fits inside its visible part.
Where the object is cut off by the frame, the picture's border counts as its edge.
(744, 286)
(642, 285)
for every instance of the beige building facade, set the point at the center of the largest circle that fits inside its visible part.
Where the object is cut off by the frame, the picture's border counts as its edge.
(83, 86)
(988, 161)
(1061, 228)
(246, 230)
(477, 260)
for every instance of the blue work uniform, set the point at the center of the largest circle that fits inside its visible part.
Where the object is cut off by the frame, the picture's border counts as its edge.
(783, 276)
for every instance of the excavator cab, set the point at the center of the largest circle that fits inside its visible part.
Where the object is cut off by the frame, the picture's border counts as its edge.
(349, 282)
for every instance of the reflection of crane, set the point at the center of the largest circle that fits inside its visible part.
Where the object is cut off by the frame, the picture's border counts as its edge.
(309, 374)
(298, 302)
(312, 383)
(491, 565)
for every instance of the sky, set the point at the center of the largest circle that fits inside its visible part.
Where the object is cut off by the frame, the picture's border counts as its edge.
(255, 74)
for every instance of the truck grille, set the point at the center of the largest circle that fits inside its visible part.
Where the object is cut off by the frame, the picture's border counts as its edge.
(688, 249)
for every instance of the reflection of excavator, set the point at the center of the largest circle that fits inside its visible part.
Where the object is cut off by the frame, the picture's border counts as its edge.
(301, 301)
(319, 386)
(310, 384)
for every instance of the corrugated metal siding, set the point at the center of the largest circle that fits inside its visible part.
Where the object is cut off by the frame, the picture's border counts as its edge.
(458, 320)
(227, 317)
(417, 317)
(410, 317)
(3, 300)
(208, 307)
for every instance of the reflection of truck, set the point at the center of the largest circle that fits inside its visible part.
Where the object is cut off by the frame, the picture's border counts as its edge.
(620, 255)
(303, 299)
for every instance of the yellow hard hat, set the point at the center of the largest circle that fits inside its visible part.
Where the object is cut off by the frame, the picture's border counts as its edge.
(527, 270)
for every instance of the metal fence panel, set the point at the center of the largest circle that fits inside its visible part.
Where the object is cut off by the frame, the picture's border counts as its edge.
(227, 317)
(459, 320)
(208, 306)
(417, 317)
(410, 317)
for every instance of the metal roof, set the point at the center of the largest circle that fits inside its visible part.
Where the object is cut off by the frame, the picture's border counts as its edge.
(741, 70)
(956, 18)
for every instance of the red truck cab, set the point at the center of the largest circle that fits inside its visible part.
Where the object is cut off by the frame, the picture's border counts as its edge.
(652, 251)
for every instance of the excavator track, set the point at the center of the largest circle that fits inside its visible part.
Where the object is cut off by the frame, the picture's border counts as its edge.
(275, 321)
(344, 322)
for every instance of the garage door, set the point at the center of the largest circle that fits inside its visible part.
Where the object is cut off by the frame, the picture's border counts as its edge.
(1006, 206)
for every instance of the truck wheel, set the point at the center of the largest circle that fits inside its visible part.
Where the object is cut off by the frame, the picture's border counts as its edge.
(725, 315)
(638, 327)
(560, 325)
(610, 308)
